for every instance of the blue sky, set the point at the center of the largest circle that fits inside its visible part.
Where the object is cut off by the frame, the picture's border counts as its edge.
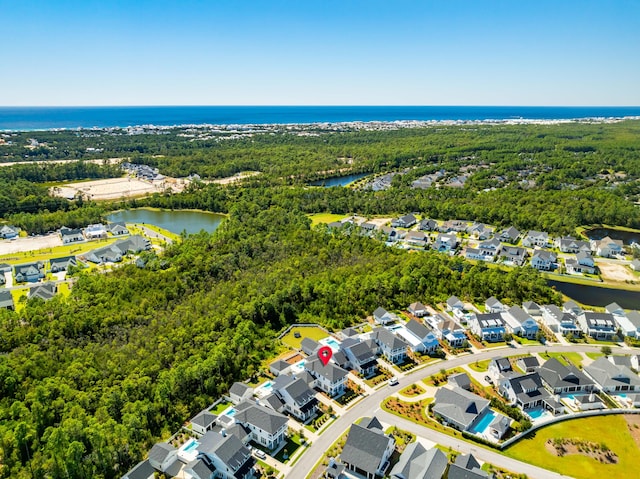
(313, 52)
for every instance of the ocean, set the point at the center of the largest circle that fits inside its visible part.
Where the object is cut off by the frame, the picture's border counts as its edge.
(46, 118)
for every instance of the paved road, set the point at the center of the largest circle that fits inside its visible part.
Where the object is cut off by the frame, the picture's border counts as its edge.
(371, 405)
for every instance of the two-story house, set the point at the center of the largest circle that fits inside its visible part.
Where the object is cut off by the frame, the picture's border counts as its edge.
(330, 378)
(391, 346)
(362, 355)
(520, 323)
(536, 238)
(367, 450)
(600, 326)
(488, 327)
(266, 427)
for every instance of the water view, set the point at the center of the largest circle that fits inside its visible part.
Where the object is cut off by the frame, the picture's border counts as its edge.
(597, 296)
(339, 180)
(627, 237)
(175, 221)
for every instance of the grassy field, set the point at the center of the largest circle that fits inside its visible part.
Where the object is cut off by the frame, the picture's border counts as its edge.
(610, 430)
(564, 358)
(157, 229)
(327, 218)
(56, 252)
(480, 366)
(312, 332)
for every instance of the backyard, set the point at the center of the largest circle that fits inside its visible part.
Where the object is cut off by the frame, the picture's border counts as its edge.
(312, 332)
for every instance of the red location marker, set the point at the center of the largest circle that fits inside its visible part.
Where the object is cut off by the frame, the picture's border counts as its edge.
(325, 353)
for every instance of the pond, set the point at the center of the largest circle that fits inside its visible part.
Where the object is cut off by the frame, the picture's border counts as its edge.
(175, 221)
(627, 237)
(597, 296)
(338, 180)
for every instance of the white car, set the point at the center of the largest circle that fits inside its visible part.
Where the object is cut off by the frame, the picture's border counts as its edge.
(393, 381)
(259, 453)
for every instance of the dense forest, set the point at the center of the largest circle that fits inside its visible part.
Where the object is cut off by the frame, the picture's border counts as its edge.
(89, 382)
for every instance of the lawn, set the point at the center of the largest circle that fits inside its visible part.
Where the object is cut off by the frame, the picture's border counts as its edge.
(564, 358)
(55, 252)
(610, 430)
(480, 366)
(326, 218)
(172, 236)
(312, 332)
(594, 355)
(218, 408)
(292, 445)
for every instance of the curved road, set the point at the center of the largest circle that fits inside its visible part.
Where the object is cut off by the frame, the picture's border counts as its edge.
(371, 405)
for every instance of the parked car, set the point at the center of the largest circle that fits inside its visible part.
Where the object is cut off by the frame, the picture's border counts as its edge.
(259, 453)
(393, 381)
(488, 379)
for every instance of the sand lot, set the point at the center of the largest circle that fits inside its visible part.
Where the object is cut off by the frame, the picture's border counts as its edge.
(113, 188)
(111, 161)
(30, 243)
(616, 271)
(234, 178)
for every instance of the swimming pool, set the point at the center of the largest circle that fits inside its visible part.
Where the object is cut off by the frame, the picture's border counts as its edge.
(394, 327)
(331, 342)
(190, 446)
(229, 412)
(536, 413)
(268, 385)
(484, 422)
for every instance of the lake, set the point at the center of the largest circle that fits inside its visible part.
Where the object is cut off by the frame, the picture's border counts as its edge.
(175, 221)
(627, 237)
(339, 180)
(597, 296)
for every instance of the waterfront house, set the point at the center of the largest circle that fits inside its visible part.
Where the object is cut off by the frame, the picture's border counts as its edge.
(581, 263)
(607, 247)
(520, 323)
(418, 463)
(368, 449)
(536, 238)
(559, 379)
(543, 260)
(571, 307)
(117, 229)
(568, 244)
(600, 326)
(266, 427)
(612, 378)
(488, 327)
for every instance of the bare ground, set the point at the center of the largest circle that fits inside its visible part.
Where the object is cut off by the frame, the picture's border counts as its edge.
(615, 272)
(115, 188)
(31, 243)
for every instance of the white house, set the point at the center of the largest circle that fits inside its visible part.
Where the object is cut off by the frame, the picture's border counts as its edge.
(454, 303)
(446, 329)
(489, 327)
(536, 238)
(418, 309)
(97, 231)
(367, 449)
(382, 316)
(598, 325)
(240, 392)
(493, 305)
(266, 427)
(607, 247)
(420, 338)
(331, 379)
(543, 260)
(391, 346)
(446, 242)
(520, 323)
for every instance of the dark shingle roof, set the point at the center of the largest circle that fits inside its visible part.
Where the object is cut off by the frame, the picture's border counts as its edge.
(364, 448)
(418, 463)
(419, 329)
(389, 339)
(332, 372)
(142, 470)
(204, 419)
(239, 389)
(160, 451)
(261, 417)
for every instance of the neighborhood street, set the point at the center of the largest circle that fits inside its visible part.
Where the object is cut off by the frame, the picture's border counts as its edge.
(370, 405)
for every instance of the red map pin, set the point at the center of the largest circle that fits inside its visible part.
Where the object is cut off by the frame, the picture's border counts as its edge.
(325, 353)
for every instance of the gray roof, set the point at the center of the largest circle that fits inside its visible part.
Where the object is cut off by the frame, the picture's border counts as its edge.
(379, 312)
(557, 375)
(634, 317)
(492, 301)
(332, 372)
(390, 340)
(279, 365)
(453, 300)
(418, 463)
(309, 346)
(530, 361)
(142, 470)
(417, 328)
(530, 305)
(204, 468)
(490, 320)
(364, 448)
(272, 401)
(608, 374)
(204, 419)
(260, 417)
(466, 467)
(613, 307)
(300, 392)
(503, 364)
(44, 291)
(599, 320)
(160, 451)
(362, 351)
(528, 387)
(239, 389)
(459, 405)
(229, 449)
(349, 332)
(462, 380)
(64, 261)
(519, 314)
(6, 300)
(239, 431)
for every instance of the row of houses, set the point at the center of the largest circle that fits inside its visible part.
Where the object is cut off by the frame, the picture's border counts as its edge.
(92, 232)
(44, 291)
(142, 171)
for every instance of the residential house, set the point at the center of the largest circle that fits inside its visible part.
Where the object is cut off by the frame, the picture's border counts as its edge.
(446, 329)
(142, 470)
(406, 221)
(391, 346)
(6, 300)
(428, 225)
(446, 242)
(97, 231)
(382, 316)
(527, 392)
(266, 427)
(571, 307)
(520, 323)
(391, 234)
(486, 251)
(298, 398)
(309, 346)
(500, 368)
(493, 305)
(509, 235)
(480, 231)
(240, 392)
(559, 379)
(418, 309)
(461, 380)
(330, 378)
(581, 263)
(9, 232)
(416, 238)
(488, 327)
(278, 367)
(453, 225)
(203, 422)
(362, 355)
(62, 264)
(512, 255)
(419, 338)
(29, 272)
(543, 260)
(536, 238)
(227, 455)
(200, 468)
(627, 327)
(368, 228)
(454, 303)
(531, 308)
(368, 449)
(528, 364)
(635, 265)
(44, 291)
(607, 247)
(598, 325)
(117, 229)
(69, 235)
(568, 244)
(634, 318)
(614, 309)
(612, 378)
(418, 463)
(459, 408)
(162, 456)
(115, 252)
(467, 467)
(348, 333)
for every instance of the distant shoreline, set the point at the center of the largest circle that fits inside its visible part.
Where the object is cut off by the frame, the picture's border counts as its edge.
(136, 120)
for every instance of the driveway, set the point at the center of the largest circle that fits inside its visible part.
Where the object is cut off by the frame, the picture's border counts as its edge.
(371, 405)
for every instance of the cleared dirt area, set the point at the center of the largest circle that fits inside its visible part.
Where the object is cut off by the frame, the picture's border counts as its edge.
(616, 271)
(633, 423)
(115, 188)
(234, 178)
(31, 243)
(110, 161)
